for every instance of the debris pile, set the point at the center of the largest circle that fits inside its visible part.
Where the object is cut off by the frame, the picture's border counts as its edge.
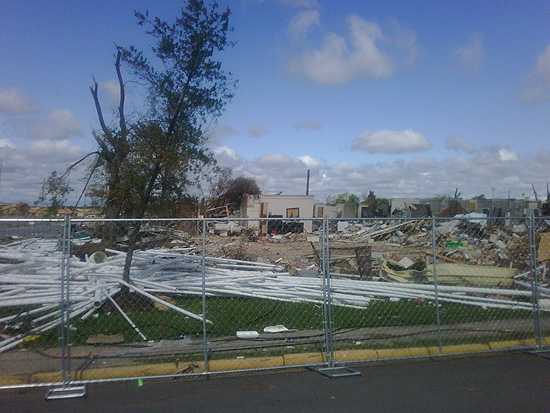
(30, 286)
(499, 249)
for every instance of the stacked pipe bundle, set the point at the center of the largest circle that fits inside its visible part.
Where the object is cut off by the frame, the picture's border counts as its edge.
(30, 293)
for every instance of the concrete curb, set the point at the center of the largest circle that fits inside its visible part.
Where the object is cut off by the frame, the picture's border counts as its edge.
(286, 360)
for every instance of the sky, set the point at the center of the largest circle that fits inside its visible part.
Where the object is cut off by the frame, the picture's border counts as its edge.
(408, 99)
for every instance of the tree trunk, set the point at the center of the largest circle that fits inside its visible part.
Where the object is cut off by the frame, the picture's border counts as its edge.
(130, 253)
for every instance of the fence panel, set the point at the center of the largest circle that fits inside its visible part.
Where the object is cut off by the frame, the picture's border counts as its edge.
(382, 291)
(30, 301)
(478, 263)
(539, 279)
(208, 295)
(265, 299)
(145, 313)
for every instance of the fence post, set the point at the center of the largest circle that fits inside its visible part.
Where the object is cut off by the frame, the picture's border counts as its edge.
(327, 302)
(436, 285)
(66, 390)
(204, 309)
(534, 280)
(64, 300)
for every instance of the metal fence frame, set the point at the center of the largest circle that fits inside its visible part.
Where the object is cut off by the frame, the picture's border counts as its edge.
(325, 274)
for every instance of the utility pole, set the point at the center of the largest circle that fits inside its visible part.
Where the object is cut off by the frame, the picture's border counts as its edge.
(307, 183)
(492, 212)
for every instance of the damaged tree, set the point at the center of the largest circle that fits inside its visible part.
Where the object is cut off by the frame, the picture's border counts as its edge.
(54, 193)
(230, 192)
(149, 160)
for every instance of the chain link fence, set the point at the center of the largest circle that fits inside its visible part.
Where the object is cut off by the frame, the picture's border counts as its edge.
(85, 300)
(538, 280)
(32, 323)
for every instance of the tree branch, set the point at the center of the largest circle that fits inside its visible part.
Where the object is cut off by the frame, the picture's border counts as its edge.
(93, 90)
(96, 164)
(122, 119)
(181, 100)
(101, 144)
(74, 164)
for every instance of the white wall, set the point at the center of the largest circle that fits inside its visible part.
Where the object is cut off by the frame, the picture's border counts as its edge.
(329, 211)
(277, 205)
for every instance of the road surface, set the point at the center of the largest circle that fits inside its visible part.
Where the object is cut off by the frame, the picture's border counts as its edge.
(490, 383)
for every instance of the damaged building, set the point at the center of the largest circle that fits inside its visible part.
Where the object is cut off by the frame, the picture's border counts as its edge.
(278, 208)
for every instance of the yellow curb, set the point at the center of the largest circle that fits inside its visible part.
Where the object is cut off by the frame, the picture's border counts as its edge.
(13, 380)
(246, 363)
(419, 352)
(498, 345)
(528, 342)
(355, 355)
(465, 348)
(267, 362)
(392, 353)
(110, 372)
(433, 350)
(302, 358)
(404, 352)
(46, 377)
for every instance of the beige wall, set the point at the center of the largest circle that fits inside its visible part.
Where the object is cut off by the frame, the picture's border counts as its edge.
(277, 205)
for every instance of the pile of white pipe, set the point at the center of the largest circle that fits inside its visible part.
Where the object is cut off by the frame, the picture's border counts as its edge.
(30, 286)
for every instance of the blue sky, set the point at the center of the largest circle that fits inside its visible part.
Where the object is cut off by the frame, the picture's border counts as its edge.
(404, 98)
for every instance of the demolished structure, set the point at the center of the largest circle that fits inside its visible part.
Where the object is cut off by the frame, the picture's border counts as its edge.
(394, 261)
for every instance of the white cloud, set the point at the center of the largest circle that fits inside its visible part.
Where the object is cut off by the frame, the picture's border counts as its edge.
(6, 144)
(24, 167)
(471, 55)
(226, 151)
(60, 124)
(309, 161)
(307, 125)
(302, 22)
(339, 60)
(112, 89)
(419, 177)
(542, 68)
(458, 144)
(12, 101)
(257, 131)
(506, 155)
(301, 4)
(46, 147)
(538, 85)
(391, 141)
(405, 40)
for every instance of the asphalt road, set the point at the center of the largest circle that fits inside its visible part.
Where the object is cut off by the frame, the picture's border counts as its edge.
(496, 383)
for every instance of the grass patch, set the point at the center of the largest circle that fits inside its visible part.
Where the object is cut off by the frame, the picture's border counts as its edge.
(232, 314)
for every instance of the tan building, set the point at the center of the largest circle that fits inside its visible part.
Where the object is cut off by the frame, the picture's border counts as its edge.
(279, 207)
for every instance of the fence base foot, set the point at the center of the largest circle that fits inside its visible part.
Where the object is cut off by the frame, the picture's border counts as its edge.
(337, 372)
(66, 391)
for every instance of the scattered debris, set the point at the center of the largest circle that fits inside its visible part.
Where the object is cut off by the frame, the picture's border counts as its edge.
(370, 260)
(248, 335)
(279, 328)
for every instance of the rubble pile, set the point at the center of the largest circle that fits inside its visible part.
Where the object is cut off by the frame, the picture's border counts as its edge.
(469, 241)
(395, 232)
(30, 286)
(477, 243)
